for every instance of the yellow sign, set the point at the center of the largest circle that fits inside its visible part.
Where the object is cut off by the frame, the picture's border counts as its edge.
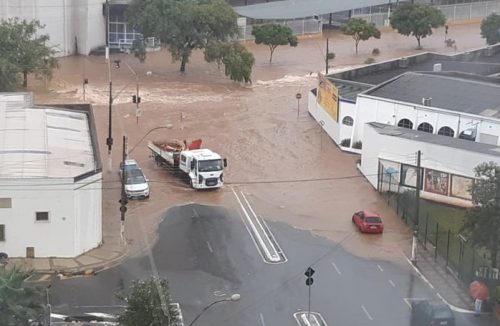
(328, 97)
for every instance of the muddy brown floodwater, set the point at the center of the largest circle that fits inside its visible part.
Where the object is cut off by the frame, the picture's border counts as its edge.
(255, 126)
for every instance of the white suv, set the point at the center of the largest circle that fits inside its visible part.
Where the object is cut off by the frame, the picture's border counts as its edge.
(136, 184)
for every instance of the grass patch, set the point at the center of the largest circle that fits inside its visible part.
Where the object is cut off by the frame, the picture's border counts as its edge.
(448, 217)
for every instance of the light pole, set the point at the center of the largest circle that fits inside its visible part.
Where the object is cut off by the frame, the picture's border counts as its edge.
(49, 307)
(298, 96)
(234, 297)
(135, 98)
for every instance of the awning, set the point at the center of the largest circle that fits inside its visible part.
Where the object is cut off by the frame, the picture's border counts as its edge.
(290, 9)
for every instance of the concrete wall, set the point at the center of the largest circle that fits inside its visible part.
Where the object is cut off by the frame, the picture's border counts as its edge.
(75, 216)
(67, 22)
(371, 109)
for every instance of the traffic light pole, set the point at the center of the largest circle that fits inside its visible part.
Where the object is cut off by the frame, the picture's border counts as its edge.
(123, 199)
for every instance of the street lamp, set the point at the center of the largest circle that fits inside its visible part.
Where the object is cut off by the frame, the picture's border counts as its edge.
(234, 297)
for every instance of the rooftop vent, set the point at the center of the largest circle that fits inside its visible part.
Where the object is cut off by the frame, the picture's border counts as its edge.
(437, 67)
(426, 101)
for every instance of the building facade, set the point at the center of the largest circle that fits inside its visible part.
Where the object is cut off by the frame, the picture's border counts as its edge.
(51, 179)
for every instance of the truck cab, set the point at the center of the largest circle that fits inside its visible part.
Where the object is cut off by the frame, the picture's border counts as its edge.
(204, 168)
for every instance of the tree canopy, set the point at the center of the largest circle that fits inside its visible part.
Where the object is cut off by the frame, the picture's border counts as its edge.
(274, 35)
(482, 222)
(237, 60)
(490, 29)
(360, 30)
(184, 25)
(23, 51)
(417, 20)
(148, 303)
(19, 303)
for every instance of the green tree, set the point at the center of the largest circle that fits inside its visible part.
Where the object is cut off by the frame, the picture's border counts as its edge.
(274, 35)
(25, 50)
(482, 222)
(360, 30)
(19, 303)
(184, 25)
(237, 60)
(148, 303)
(490, 29)
(417, 20)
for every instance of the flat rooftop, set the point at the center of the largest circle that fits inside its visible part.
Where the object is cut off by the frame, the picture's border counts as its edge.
(425, 137)
(452, 91)
(43, 142)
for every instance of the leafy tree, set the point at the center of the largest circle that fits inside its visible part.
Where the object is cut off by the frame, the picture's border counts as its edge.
(482, 222)
(360, 30)
(9, 76)
(490, 29)
(184, 25)
(148, 303)
(18, 303)
(417, 20)
(274, 35)
(237, 60)
(24, 50)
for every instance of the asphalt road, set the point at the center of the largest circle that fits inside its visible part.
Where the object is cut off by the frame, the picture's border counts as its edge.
(207, 254)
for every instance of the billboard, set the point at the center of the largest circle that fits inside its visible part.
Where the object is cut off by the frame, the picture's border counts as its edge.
(461, 186)
(436, 182)
(328, 96)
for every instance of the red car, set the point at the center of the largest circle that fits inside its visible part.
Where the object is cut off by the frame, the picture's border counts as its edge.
(368, 222)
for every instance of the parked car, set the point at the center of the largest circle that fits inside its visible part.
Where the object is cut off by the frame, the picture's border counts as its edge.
(368, 222)
(136, 183)
(128, 165)
(425, 312)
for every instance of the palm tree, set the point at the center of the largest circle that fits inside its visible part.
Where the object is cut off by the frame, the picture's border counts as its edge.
(19, 303)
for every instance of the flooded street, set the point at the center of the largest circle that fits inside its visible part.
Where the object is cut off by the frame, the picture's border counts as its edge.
(268, 145)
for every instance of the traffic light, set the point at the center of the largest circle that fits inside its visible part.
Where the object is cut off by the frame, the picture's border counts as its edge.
(136, 99)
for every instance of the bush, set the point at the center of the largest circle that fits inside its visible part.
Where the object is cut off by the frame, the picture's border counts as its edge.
(330, 56)
(369, 61)
(358, 145)
(375, 51)
(346, 142)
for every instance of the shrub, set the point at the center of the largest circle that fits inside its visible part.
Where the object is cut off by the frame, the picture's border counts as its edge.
(357, 144)
(369, 61)
(375, 51)
(330, 56)
(346, 142)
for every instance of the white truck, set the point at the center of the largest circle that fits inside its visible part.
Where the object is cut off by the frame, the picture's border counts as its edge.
(204, 168)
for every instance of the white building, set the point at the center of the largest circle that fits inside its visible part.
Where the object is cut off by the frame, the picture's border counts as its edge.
(50, 179)
(387, 112)
(71, 24)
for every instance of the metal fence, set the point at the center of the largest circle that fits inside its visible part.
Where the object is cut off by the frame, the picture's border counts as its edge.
(460, 257)
(455, 12)
(298, 26)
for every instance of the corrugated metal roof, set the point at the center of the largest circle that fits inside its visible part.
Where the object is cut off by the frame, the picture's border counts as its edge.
(291, 9)
(38, 142)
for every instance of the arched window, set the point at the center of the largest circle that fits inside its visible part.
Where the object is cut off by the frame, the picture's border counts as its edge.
(446, 131)
(426, 127)
(348, 121)
(405, 123)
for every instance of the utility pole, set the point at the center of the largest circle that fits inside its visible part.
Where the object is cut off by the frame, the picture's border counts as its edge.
(123, 200)
(417, 210)
(327, 57)
(109, 140)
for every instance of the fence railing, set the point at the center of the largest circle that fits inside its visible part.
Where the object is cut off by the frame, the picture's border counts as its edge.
(460, 257)
(455, 12)
(298, 26)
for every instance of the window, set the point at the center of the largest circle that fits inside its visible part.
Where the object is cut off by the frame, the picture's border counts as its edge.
(348, 121)
(42, 216)
(426, 127)
(5, 202)
(2, 232)
(405, 123)
(446, 131)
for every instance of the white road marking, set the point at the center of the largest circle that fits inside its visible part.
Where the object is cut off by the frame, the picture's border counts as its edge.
(262, 319)
(219, 293)
(336, 268)
(392, 283)
(210, 247)
(101, 315)
(380, 267)
(58, 316)
(195, 212)
(366, 312)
